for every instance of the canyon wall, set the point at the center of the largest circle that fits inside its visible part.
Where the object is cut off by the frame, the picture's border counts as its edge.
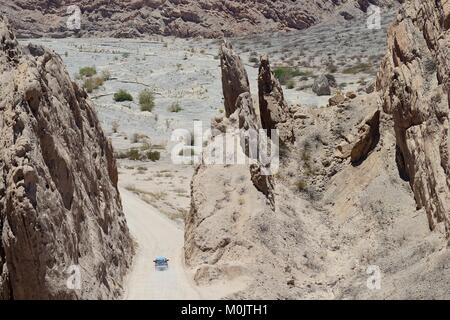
(414, 81)
(60, 209)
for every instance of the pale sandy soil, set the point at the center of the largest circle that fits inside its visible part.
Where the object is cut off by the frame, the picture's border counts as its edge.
(155, 235)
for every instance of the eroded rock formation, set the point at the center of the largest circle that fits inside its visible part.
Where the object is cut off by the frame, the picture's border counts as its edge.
(273, 108)
(188, 18)
(415, 82)
(59, 202)
(234, 77)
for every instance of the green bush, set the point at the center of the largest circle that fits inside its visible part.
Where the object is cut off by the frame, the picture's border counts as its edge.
(122, 95)
(153, 155)
(284, 74)
(146, 100)
(88, 71)
(133, 154)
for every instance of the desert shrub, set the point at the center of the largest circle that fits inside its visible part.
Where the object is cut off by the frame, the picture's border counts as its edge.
(301, 185)
(145, 146)
(175, 107)
(284, 74)
(122, 95)
(88, 71)
(358, 68)
(146, 100)
(106, 75)
(153, 155)
(133, 154)
(88, 85)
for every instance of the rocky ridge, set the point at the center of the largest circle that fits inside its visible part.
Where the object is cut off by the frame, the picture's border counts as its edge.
(187, 18)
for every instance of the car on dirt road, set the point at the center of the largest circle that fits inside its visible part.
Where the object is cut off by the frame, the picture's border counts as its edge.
(161, 263)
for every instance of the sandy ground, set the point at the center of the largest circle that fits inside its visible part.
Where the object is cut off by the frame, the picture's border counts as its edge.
(156, 235)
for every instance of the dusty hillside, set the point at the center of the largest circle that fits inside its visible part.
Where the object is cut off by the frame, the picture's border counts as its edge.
(363, 182)
(207, 18)
(59, 202)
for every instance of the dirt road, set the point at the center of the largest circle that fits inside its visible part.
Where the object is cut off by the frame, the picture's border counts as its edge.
(156, 235)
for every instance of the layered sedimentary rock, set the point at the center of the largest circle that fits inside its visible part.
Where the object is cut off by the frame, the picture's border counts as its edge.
(414, 83)
(63, 232)
(187, 18)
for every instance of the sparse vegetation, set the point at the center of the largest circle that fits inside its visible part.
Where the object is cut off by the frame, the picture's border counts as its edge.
(358, 68)
(92, 83)
(106, 75)
(122, 95)
(87, 71)
(146, 100)
(175, 107)
(153, 155)
(285, 74)
(133, 154)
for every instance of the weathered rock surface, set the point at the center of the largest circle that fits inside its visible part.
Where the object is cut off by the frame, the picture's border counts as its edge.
(368, 137)
(273, 108)
(187, 18)
(59, 202)
(415, 83)
(321, 86)
(234, 77)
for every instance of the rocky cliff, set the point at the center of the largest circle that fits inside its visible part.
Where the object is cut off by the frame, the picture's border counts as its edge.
(60, 209)
(186, 18)
(415, 85)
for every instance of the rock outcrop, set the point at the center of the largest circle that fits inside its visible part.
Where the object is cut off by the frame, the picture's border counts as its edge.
(415, 81)
(188, 18)
(234, 77)
(60, 209)
(273, 108)
(321, 86)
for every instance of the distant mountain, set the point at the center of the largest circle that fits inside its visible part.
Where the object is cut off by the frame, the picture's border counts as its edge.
(183, 18)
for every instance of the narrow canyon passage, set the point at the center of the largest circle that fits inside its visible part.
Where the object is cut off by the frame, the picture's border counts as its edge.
(155, 235)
